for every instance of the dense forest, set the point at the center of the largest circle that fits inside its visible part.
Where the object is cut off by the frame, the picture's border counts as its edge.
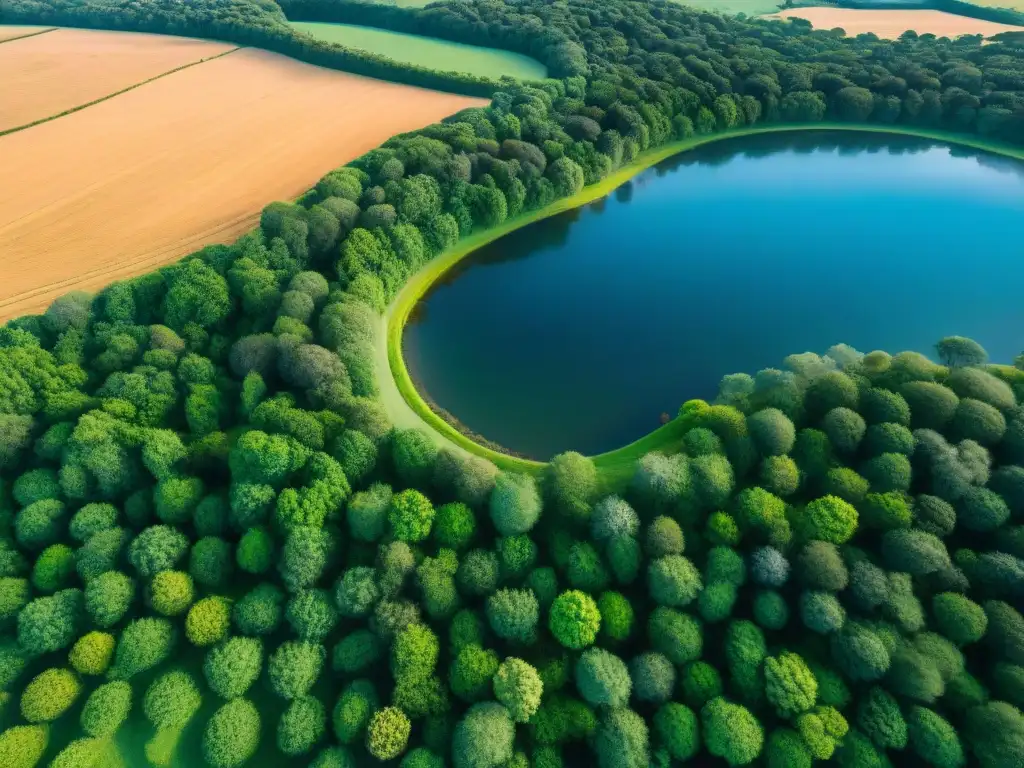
(211, 535)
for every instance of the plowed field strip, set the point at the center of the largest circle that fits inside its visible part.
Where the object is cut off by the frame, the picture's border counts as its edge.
(50, 74)
(94, 102)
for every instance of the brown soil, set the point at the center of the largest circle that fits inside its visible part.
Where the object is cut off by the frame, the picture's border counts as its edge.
(892, 24)
(45, 75)
(10, 31)
(187, 160)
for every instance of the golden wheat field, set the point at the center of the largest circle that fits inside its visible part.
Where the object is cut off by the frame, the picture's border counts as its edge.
(47, 74)
(187, 160)
(892, 24)
(13, 31)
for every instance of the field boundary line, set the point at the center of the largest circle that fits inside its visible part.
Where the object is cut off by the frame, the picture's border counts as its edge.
(29, 34)
(158, 258)
(109, 96)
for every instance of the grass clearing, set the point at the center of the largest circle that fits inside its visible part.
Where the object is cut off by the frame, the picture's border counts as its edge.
(45, 75)
(187, 160)
(749, 7)
(407, 409)
(891, 24)
(428, 52)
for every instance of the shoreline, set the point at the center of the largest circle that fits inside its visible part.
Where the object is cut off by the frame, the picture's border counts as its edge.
(408, 408)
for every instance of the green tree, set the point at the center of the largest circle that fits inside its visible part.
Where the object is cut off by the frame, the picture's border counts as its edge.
(301, 726)
(574, 619)
(621, 740)
(352, 711)
(602, 678)
(171, 593)
(513, 614)
(731, 732)
(673, 581)
(518, 687)
(829, 519)
(232, 667)
(92, 653)
(22, 746)
(294, 667)
(789, 684)
(995, 732)
(879, 716)
(571, 483)
(515, 504)
(232, 734)
(471, 673)
(454, 526)
(143, 644)
(484, 737)
(387, 733)
(675, 634)
(772, 431)
(411, 515)
(933, 739)
(676, 728)
(106, 709)
(49, 695)
(208, 621)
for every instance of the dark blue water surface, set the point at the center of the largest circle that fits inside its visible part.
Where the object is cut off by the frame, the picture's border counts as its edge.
(577, 332)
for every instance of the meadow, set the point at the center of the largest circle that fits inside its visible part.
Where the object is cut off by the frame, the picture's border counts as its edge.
(749, 7)
(891, 24)
(187, 160)
(427, 51)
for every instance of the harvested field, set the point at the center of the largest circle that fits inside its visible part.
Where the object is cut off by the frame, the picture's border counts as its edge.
(12, 31)
(45, 75)
(892, 24)
(187, 160)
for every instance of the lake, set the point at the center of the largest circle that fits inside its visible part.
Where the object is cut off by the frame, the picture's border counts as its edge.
(578, 332)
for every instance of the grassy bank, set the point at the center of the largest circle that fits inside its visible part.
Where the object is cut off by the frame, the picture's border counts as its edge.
(408, 409)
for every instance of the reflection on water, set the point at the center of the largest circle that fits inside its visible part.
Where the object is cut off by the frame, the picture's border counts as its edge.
(578, 331)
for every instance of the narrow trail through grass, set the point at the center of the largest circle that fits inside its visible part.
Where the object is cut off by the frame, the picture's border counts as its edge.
(109, 96)
(407, 409)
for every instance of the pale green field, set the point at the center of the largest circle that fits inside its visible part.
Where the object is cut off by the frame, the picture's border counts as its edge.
(428, 51)
(749, 7)
(1017, 5)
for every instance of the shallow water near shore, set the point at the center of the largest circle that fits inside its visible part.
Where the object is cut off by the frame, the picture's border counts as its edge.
(579, 331)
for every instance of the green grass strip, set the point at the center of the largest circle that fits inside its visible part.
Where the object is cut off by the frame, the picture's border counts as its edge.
(407, 408)
(94, 102)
